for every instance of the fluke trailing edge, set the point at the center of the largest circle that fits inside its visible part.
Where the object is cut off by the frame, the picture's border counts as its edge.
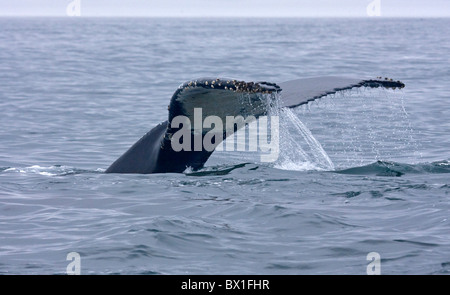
(220, 99)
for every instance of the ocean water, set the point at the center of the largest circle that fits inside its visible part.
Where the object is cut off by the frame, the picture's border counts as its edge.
(75, 93)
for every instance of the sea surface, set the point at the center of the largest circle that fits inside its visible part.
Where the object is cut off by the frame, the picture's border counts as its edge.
(76, 93)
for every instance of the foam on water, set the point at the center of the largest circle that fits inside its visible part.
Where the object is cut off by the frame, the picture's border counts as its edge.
(55, 170)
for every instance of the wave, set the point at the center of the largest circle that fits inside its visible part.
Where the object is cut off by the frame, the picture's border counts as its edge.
(54, 170)
(386, 168)
(379, 168)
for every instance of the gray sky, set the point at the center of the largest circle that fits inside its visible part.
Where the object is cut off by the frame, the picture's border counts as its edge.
(213, 8)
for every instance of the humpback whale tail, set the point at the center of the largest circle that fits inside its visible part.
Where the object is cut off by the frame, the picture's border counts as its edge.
(219, 99)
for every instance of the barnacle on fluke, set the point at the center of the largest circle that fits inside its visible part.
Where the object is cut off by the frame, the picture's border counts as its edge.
(387, 83)
(233, 85)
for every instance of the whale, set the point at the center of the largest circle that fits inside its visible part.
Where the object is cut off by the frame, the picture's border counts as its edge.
(222, 98)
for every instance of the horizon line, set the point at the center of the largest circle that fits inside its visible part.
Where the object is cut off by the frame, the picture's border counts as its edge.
(222, 16)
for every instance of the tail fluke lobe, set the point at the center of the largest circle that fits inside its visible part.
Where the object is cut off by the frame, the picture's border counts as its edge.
(193, 102)
(302, 91)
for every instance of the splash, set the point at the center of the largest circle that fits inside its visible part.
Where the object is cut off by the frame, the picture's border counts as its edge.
(361, 126)
(295, 154)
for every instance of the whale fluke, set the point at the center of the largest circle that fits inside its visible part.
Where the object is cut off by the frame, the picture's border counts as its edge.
(221, 97)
